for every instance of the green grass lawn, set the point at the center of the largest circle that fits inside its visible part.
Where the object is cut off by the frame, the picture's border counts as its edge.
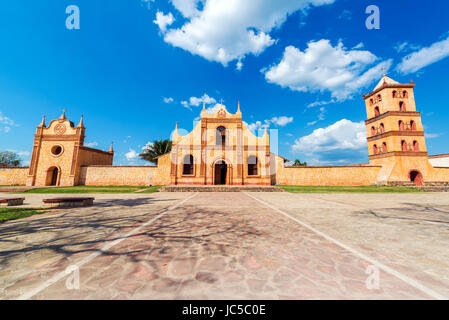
(7, 214)
(342, 189)
(12, 185)
(96, 189)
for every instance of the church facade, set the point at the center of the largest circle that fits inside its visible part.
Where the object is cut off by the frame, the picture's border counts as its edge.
(221, 150)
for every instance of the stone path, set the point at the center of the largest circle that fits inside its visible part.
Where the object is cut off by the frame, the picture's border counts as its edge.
(232, 246)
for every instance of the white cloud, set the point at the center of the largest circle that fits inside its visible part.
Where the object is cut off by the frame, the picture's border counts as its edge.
(197, 101)
(194, 101)
(147, 146)
(212, 109)
(324, 67)
(320, 103)
(424, 57)
(227, 30)
(131, 155)
(359, 46)
(405, 47)
(282, 121)
(185, 104)
(91, 144)
(163, 21)
(256, 126)
(340, 142)
(6, 123)
(432, 135)
(278, 121)
(239, 65)
(20, 153)
(320, 117)
(168, 100)
(345, 15)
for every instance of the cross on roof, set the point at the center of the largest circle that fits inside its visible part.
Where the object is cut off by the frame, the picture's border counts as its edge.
(221, 101)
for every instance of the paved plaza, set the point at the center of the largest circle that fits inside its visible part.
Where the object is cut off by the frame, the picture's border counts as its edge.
(231, 246)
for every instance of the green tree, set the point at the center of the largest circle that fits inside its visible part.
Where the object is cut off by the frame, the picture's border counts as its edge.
(298, 163)
(9, 158)
(155, 149)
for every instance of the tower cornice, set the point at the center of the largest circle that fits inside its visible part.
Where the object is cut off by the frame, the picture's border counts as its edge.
(404, 133)
(386, 86)
(394, 113)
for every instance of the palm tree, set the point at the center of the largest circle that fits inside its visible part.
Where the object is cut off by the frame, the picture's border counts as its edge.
(298, 163)
(155, 149)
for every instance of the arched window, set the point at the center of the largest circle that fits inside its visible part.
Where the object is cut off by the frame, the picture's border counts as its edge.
(402, 106)
(405, 94)
(384, 147)
(375, 149)
(379, 98)
(415, 146)
(401, 125)
(395, 94)
(371, 102)
(376, 111)
(188, 165)
(373, 131)
(221, 136)
(404, 145)
(382, 128)
(413, 125)
(252, 166)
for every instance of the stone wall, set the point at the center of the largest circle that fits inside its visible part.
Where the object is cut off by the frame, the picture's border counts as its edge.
(441, 174)
(11, 176)
(121, 176)
(328, 176)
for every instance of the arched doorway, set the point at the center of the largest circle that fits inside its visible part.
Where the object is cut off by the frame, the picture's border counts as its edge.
(52, 177)
(416, 177)
(221, 171)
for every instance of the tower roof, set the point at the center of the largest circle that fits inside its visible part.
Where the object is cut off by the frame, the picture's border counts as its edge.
(386, 80)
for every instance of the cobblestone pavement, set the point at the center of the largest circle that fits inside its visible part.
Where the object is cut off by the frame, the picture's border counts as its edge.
(232, 246)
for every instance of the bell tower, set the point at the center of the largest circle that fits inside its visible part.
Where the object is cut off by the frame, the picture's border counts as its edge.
(395, 134)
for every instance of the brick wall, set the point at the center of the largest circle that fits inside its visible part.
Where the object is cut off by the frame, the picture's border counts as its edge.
(441, 174)
(121, 176)
(10, 176)
(327, 176)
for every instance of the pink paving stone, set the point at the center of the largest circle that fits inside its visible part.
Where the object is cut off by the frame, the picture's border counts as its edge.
(309, 293)
(130, 288)
(233, 276)
(206, 277)
(213, 264)
(326, 269)
(304, 282)
(165, 285)
(251, 263)
(181, 267)
(285, 274)
(255, 285)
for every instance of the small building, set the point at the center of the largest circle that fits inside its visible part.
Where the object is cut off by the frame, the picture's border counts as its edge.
(59, 153)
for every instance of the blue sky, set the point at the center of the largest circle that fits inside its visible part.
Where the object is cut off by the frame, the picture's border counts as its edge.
(136, 67)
